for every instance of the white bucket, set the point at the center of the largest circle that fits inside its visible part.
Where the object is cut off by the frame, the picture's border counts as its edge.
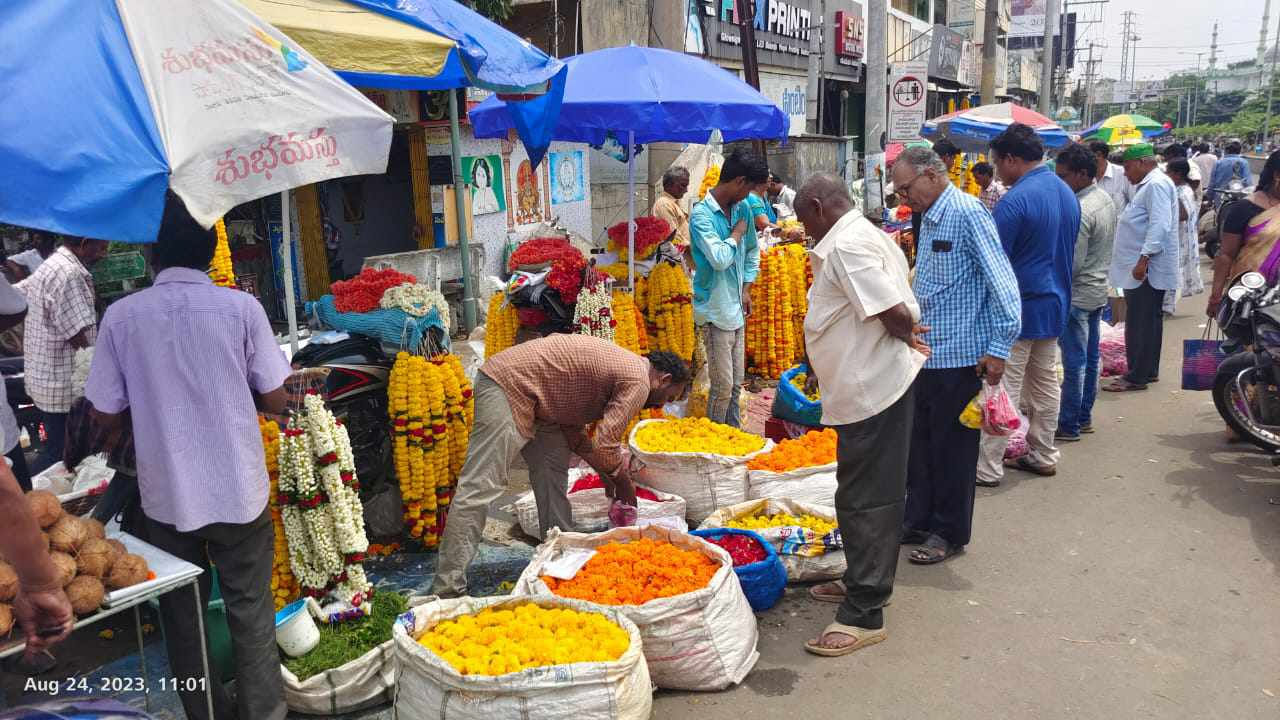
(296, 631)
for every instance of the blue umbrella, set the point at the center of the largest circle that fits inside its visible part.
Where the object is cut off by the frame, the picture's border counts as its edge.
(972, 130)
(644, 95)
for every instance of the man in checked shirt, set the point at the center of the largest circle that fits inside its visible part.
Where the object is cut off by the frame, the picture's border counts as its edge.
(537, 399)
(969, 299)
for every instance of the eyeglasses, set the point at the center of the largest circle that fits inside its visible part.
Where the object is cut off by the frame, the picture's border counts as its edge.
(906, 188)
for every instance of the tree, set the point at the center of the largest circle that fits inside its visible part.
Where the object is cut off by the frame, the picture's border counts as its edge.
(496, 10)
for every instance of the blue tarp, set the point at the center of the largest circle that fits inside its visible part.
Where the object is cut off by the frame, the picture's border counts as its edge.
(660, 94)
(391, 326)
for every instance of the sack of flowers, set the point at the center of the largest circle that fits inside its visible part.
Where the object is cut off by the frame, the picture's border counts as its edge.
(805, 536)
(698, 629)
(701, 461)
(590, 505)
(760, 572)
(519, 657)
(802, 468)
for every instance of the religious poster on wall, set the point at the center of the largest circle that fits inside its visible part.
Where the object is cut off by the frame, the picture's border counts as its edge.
(566, 177)
(528, 194)
(484, 174)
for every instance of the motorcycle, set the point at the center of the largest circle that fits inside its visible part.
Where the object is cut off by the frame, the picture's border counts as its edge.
(1222, 199)
(1245, 387)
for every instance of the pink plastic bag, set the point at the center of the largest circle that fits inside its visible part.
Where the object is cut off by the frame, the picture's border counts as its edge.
(999, 416)
(622, 514)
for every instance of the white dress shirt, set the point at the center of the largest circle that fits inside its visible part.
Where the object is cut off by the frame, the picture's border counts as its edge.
(1117, 186)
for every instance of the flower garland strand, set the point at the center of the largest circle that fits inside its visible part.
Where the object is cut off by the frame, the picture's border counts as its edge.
(670, 310)
(501, 325)
(775, 328)
(594, 312)
(220, 270)
(320, 506)
(284, 586)
(417, 300)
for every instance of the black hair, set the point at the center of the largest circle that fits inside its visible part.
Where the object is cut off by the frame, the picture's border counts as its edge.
(1097, 147)
(181, 241)
(945, 147)
(1203, 147)
(1267, 178)
(983, 168)
(744, 164)
(1078, 158)
(1234, 147)
(1020, 141)
(1175, 151)
(1180, 166)
(776, 178)
(671, 364)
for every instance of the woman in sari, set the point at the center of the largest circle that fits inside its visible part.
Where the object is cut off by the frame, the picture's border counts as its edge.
(1250, 229)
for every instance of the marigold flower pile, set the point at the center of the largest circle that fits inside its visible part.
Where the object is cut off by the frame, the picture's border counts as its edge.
(363, 292)
(813, 448)
(501, 325)
(432, 411)
(709, 180)
(818, 525)
(566, 263)
(696, 435)
(775, 327)
(510, 640)
(650, 232)
(670, 310)
(284, 587)
(634, 573)
(798, 382)
(220, 270)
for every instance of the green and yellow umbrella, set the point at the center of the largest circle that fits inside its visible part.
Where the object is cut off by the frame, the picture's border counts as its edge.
(1122, 130)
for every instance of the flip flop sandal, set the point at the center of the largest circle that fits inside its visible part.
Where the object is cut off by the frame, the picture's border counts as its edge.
(816, 593)
(862, 637)
(1123, 386)
(934, 551)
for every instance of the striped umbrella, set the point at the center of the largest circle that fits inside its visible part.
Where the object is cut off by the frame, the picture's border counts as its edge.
(973, 130)
(1122, 130)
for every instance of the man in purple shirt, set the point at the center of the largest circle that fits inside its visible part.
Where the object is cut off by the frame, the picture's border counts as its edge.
(194, 363)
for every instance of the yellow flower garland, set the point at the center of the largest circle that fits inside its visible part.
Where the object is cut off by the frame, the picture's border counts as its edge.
(501, 325)
(626, 334)
(220, 269)
(670, 310)
(284, 587)
(775, 328)
(709, 180)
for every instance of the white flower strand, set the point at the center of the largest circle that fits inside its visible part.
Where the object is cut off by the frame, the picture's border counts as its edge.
(591, 302)
(417, 299)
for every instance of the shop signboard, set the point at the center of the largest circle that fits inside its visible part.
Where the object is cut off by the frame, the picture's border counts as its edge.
(1027, 18)
(400, 104)
(945, 56)
(850, 41)
(789, 92)
(908, 87)
(781, 28)
(846, 36)
(969, 65)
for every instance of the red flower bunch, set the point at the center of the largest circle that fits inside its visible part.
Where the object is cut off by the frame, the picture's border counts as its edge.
(531, 317)
(593, 482)
(566, 263)
(651, 231)
(363, 292)
(742, 548)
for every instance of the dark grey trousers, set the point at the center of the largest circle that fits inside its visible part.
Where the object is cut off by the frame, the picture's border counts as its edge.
(1143, 332)
(871, 476)
(243, 554)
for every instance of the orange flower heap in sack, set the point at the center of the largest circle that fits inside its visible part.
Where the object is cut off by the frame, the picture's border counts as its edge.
(220, 269)
(501, 325)
(813, 448)
(634, 573)
(509, 640)
(670, 313)
(284, 587)
(696, 435)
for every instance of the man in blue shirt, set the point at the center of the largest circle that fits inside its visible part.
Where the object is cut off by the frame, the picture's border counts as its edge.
(1038, 219)
(1230, 167)
(968, 298)
(726, 259)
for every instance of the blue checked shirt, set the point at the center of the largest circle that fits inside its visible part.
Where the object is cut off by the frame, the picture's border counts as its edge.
(966, 288)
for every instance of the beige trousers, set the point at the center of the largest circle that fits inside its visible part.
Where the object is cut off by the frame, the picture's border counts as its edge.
(1031, 377)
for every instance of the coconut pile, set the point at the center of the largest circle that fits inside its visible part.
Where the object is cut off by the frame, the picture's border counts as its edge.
(90, 564)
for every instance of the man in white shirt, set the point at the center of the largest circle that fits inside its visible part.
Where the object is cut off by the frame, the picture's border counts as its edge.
(1111, 176)
(864, 348)
(781, 197)
(13, 308)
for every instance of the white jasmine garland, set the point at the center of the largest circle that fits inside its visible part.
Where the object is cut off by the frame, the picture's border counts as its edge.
(593, 313)
(417, 299)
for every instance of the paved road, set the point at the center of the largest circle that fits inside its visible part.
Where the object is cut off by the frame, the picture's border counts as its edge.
(1141, 582)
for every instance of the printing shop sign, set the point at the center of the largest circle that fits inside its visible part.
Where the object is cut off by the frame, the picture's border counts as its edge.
(782, 30)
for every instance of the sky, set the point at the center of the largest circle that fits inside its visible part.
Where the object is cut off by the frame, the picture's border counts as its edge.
(1170, 38)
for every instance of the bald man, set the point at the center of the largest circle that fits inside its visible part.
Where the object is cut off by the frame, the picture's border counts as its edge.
(864, 349)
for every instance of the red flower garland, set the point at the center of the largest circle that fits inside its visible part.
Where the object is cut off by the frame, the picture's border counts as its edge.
(363, 292)
(651, 231)
(567, 264)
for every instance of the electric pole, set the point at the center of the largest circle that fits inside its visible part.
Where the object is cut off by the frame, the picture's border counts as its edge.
(990, 31)
(1046, 57)
(1088, 92)
(876, 109)
(750, 68)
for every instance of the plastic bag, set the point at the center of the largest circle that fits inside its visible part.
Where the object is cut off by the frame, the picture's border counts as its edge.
(791, 404)
(805, 555)
(971, 417)
(622, 515)
(999, 416)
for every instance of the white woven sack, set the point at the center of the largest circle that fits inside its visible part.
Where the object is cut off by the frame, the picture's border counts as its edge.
(702, 640)
(429, 688)
(591, 509)
(706, 481)
(814, 485)
(827, 565)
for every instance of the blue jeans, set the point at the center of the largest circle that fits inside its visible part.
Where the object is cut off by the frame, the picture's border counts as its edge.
(1079, 343)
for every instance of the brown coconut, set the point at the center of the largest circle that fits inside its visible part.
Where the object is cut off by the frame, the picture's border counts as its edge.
(66, 566)
(6, 619)
(85, 594)
(119, 547)
(45, 506)
(95, 558)
(68, 534)
(8, 582)
(128, 569)
(95, 528)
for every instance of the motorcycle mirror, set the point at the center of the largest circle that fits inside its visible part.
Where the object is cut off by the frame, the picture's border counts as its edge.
(1253, 280)
(1236, 293)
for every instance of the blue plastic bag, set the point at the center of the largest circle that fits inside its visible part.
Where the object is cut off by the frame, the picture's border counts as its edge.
(789, 403)
(762, 582)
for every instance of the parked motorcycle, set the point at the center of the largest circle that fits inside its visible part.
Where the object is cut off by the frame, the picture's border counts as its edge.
(1245, 387)
(1222, 200)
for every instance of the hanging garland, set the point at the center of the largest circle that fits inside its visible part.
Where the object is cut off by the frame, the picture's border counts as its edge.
(670, 310)
(320, 506)
(417, 300)
(709, 180)
(501, 325)
(220, 270)
(775, 328)
(650, 232)
(593, 315)
(629, 331)
(284, 586)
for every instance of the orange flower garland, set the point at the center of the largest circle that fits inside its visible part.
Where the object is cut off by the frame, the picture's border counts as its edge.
(634, 573)
(284, 587)
(709, 180)
(670, 310)
(775, 328)
(813, 448)
(220, 269)
(626, 332)
(501, 325)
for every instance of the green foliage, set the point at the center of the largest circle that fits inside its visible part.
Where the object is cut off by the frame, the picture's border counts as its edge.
(497, 10)
(344, 642)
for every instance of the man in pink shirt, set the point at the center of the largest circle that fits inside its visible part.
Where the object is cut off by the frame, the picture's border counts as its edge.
(194, 363)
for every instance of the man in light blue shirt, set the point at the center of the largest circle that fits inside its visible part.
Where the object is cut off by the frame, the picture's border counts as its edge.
(1230, 167)
(1144, 263)
(726, 259)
